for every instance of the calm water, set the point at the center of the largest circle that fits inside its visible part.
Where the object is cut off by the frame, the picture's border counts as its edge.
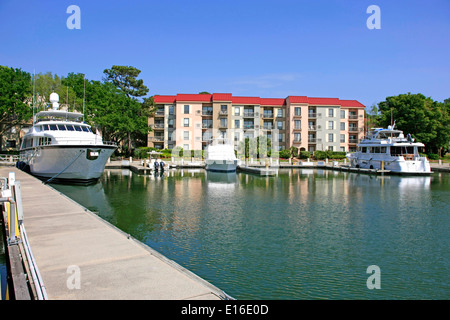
(301, 235)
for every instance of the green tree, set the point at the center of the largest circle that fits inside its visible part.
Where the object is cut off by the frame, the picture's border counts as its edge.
(125, 79)
(425, 119)
(15, 98)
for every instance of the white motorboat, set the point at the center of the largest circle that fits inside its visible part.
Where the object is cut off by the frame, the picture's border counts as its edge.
(220, 156)
(60, 147)
(388, 149)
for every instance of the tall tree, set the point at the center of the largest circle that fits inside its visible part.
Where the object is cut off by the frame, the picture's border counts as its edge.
(125, 79)
(15, 102)
(427, 120)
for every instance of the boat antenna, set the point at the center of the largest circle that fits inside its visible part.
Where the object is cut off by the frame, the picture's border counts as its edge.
(67, 97)
(84, 92)
(34, 91)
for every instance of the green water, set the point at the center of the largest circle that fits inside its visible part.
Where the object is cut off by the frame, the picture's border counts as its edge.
(300, 235)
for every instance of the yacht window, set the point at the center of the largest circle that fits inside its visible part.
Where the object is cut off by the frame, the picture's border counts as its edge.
(85, 129)
(382, 149)
(70, 127)
(364, 149)
(61, 127)
(77, 128)
(45, 127)
(38, 128)
(53, 127)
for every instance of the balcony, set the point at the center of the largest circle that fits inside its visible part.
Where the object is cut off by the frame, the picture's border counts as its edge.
(312, 128)
(207, 125)
(158, 126)
(268, 127)
(223, 113)
(156, 139)
(312, 115)
(353, 129)
(159, 113)
(297, 128)
(352, 140)
(207, 113)
(249, 126)
(311, 140)
(268, 115)
(223, 126)
(353, 117)
(298, 141)
(249, 114)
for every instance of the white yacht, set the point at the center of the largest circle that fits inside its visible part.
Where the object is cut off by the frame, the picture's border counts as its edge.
(220, 156)
(388, 149)
(60, 147)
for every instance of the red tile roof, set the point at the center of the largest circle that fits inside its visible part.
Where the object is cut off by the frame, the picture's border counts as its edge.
(164, 99)
(272, 102)
(221, 96)
(256, 100)
(194, 97)
(351, 104)
(324, 101)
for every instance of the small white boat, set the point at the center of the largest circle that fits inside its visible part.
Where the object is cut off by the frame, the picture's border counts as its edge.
(220, 156)
(60, 147)
(388, 149)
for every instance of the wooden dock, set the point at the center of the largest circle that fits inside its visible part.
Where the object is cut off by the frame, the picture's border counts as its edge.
(80, 256)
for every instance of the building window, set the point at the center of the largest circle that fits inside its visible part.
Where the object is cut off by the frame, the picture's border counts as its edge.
(185, 135)
(297, 137)
(342, 114)
(297, 124)
(280, 113)
(342, 125)
(236, 136)
(297, 111)
(185, 147)
(342, 137)
(330, 137)
(186, 122)
(236, 124)
(186, 109)
(237, 111)
(331, 113)
(280, 137)
(331, 148)
(330, 125)
(223, 122)
(280, 125)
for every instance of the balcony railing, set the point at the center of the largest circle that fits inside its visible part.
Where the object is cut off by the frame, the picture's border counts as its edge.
(353, 116)
(352, 140)
(207, 125)
(312, 128)
(353, 129)
(207, 113)
(249, 126)
(249, 114)
(268, 115)
(223, 112)
(156, 138)
(159, 113)
(312, 115)
(268, 127)
(158, 126)
(312, 140)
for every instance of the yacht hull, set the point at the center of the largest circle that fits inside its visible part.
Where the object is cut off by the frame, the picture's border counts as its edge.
(76, 163)
(394, 164)
(221, 165)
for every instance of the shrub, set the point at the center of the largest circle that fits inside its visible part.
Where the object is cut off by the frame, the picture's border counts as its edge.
(285, 154)
(433, 156)
(304, 155)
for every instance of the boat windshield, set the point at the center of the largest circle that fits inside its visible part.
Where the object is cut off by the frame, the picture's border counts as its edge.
(62, 127)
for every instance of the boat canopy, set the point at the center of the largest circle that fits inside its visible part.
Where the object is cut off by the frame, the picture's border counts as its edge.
(58, 115)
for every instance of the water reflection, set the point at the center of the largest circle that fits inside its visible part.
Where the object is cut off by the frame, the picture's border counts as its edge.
(302, 234)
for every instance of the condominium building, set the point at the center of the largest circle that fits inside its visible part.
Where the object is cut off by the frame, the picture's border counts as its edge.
(190, 121)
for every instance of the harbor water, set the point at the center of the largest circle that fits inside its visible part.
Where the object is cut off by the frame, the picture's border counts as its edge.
(302, 234)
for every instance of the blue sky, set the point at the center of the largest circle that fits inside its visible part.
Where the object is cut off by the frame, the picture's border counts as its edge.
(263, 48)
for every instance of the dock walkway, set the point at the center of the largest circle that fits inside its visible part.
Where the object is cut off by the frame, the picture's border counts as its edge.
(69, 241)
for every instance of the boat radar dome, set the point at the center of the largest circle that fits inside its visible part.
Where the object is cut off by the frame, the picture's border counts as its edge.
(54, 98)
